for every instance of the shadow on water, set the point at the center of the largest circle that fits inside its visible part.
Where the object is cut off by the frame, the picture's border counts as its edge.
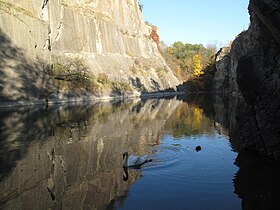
(257, 182)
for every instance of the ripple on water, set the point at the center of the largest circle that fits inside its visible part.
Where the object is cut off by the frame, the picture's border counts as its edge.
(181, 163)
(166, 156)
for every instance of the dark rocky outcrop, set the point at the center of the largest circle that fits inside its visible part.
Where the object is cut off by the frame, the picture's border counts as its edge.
(252, 80)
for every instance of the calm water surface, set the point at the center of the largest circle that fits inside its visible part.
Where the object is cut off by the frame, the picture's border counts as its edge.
(70, 157)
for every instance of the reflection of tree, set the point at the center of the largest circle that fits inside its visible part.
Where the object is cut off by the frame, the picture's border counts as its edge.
(203, 101)
(188, 120)
(197, 117)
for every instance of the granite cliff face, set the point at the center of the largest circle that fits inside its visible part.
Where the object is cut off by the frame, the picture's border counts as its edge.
(253, 68)
(70, 49)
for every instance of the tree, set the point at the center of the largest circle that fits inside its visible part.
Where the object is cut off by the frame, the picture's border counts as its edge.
(179, 71)
(188, 60)
(213, 46)
(197, 67)
(178, 50)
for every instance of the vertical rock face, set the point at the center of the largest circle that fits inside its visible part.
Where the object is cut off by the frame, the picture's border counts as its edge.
(254, 80)
(72, 41)
(222, 65)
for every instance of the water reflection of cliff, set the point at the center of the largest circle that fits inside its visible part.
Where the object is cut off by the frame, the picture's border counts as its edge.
(70, 157)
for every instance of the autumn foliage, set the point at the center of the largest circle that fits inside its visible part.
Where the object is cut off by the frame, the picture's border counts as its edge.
(197, 65)
(191, 63)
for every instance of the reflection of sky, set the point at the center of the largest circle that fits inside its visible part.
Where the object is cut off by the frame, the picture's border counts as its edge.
(181, 178)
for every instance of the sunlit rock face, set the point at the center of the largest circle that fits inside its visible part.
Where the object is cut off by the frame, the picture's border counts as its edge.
(68, 49)
(222, 65)
(254, 81)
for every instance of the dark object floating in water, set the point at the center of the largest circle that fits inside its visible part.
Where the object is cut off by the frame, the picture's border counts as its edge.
(198, 148)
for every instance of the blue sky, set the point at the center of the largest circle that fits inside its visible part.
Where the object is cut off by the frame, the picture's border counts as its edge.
(197, 21)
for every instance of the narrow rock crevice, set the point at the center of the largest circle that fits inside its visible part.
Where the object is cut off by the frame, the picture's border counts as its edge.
(58, 31)
(62, 165)
(51, 193)
(45, 4)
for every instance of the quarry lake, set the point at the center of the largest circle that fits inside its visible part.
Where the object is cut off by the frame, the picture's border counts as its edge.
(71, 157)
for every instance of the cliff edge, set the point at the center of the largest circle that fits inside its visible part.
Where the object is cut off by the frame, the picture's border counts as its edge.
(74, 50)
(252, 77)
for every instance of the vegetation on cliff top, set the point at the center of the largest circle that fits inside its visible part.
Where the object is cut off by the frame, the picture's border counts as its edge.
(192, 63)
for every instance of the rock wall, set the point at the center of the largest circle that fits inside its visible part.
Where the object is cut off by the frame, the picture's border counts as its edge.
(254, 82)
(58, 50)
(220, 83)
